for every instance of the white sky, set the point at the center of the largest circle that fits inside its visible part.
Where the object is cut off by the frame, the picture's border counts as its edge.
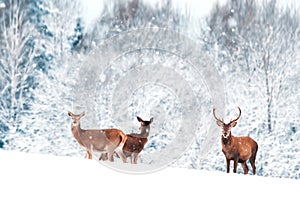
(197, 7)
(202, 7)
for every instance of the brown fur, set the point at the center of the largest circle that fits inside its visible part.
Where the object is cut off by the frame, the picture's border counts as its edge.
(135, 142)
(238, 149)
(98, 140)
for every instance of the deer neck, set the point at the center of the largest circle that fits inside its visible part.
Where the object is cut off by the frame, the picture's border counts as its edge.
(145, 132)
(227, 141)
(77, 131)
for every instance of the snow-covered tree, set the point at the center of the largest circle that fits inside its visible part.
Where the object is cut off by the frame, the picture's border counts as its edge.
(18, 46)
(255, 45)
(51, 71)
(118, 16)
(59, 26)
(59, 23)
(247, 39)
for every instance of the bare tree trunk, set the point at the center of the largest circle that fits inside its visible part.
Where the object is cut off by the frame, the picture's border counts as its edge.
(16, 60)
(127, 10)
(268, 92)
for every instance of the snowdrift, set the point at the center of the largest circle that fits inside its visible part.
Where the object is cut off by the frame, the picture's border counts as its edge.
(37, 176)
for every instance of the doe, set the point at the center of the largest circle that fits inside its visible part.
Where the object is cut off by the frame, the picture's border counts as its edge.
(98, 140)
(135, 141)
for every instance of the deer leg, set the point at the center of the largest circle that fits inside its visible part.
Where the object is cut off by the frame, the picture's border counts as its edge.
(235, 165)
(88, 154)
(131, 158)
(252, 162)
(110, 153)
(121, 154)
(103, 156)
(228, 165)
(245, 167)
(135, 157)
(110, 157)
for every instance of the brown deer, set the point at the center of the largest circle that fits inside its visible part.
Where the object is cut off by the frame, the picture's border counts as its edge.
(238, 149)
(98, 140)
(135, 141)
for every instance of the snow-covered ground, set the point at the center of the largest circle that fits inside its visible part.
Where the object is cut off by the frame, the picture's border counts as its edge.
(37, 176)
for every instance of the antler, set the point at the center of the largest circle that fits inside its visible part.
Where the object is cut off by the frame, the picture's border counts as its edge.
(240, 112)
(214, 113)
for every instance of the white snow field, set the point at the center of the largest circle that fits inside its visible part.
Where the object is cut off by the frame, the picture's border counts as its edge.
(37, 176)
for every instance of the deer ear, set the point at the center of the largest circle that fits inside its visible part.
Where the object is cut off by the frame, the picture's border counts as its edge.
(82, 114)
(233, 124)
(219, 123)
(139, 119)
(151, 120)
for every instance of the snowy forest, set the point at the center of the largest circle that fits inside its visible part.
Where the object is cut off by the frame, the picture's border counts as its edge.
(49, 54)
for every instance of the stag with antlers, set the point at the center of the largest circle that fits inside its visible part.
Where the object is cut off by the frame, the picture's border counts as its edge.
(238, 149)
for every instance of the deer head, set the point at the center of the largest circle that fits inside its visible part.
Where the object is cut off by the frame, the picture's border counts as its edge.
(238, 149)
(145, 125)
(226, 128)
(75, 118)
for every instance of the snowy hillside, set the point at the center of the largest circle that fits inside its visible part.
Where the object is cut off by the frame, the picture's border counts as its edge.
(36, 176)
